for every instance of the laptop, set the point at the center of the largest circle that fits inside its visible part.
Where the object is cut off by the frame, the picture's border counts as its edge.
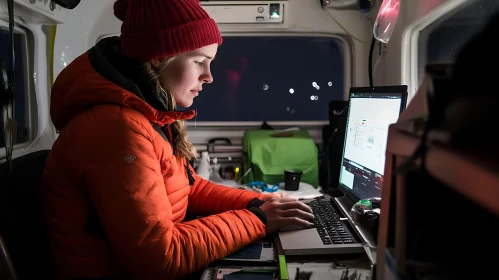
(370, 112)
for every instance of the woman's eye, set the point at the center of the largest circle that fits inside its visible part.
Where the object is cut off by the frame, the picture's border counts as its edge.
(199, 62)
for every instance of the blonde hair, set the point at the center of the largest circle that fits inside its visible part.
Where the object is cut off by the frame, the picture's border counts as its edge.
(183, 147)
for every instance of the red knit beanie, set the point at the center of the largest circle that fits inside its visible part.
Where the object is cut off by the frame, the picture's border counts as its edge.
(154, 29)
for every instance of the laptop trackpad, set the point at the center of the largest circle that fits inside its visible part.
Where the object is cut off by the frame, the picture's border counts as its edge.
(300, 239)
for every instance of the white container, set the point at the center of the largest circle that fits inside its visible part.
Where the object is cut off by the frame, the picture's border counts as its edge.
(215, 175)
(203, 169)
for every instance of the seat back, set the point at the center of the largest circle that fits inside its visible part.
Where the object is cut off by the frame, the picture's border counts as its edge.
(21, 215)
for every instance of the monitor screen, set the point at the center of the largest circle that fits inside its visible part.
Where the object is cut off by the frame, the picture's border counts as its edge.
(363, 162)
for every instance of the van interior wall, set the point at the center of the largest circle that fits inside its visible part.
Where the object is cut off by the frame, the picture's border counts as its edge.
(83, 27)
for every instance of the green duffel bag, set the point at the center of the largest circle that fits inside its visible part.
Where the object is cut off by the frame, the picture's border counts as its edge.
(269, 153)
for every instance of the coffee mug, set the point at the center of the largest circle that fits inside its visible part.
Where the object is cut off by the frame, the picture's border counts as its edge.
(292, 180)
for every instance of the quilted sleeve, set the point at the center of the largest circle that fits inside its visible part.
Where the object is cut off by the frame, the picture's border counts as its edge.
(208, 198)
(124, 182)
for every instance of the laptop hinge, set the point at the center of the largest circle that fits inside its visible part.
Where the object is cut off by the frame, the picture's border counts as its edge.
(345, 204)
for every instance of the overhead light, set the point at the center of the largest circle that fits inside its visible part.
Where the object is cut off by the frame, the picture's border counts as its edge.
(386, 20)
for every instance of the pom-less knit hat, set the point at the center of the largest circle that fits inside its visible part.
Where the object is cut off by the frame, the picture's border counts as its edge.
(153, 29)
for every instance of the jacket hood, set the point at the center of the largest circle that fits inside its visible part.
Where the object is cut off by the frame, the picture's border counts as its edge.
(103, 76)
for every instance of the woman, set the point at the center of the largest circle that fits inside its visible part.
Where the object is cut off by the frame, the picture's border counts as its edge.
(117, 185)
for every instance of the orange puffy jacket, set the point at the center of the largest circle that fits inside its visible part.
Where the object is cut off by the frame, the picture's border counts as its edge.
(109, 167)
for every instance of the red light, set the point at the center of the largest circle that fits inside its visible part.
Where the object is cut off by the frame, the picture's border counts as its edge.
(386, 19)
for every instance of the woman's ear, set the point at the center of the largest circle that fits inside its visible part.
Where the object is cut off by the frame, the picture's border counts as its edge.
(156, 63)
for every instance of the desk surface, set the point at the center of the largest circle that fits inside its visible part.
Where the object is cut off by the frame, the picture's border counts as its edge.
(331, 267)
(323, 267)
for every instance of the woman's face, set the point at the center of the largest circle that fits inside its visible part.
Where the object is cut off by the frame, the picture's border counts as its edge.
(186, 74)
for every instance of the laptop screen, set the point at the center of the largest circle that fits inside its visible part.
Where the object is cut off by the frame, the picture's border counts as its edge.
(370, 113)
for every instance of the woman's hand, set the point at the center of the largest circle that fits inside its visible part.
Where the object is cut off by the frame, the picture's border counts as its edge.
(281, 212)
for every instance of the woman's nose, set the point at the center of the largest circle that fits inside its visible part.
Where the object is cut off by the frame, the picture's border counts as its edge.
(207, 78)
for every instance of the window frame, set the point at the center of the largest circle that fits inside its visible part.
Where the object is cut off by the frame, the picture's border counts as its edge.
(30, 99)
(347, 79)
(414, 53)
(346, 47)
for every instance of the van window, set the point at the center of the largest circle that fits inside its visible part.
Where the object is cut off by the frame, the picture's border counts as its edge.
(21, 101)
(442, 40)
(279, 78)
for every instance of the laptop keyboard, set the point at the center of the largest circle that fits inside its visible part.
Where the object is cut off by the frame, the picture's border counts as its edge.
(330, 227)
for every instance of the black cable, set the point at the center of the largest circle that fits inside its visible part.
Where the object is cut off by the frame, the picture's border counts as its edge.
(371, 50)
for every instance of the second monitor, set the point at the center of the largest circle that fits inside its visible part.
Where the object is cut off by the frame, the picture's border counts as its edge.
(370, 113)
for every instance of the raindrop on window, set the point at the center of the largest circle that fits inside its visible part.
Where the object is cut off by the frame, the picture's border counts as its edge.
(265, 87)
(314, 84)
(288, 109)
(330, 84)
(291, 91)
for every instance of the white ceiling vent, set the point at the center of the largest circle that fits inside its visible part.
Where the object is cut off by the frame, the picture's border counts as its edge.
(249, 12)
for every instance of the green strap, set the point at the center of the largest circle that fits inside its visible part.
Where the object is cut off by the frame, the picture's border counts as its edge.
(283, 268)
